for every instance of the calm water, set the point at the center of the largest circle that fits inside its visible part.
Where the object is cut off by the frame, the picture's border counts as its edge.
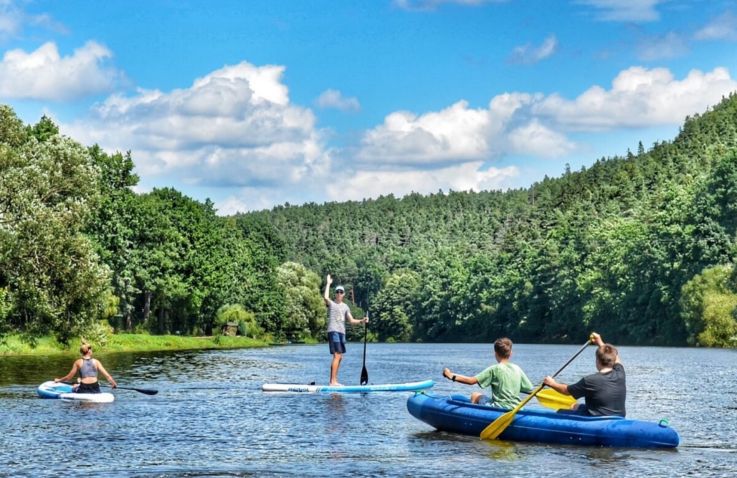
(210, 417)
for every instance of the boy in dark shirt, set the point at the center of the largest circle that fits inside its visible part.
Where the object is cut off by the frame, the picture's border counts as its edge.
(605, 391)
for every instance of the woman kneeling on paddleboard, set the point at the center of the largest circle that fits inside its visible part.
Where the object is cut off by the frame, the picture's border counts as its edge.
(88, 368)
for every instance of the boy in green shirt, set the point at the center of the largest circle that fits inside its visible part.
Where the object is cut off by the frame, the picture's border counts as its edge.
(505, 379)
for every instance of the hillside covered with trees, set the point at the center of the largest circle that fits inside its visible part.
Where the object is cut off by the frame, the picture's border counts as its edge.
(640, 248)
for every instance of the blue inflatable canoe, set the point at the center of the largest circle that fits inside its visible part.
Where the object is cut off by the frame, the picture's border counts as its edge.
(456, 414)
(386, 387)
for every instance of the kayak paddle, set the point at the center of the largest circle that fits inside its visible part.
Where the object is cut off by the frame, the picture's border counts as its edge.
(364, 372)
(551, 399)
(495, 428)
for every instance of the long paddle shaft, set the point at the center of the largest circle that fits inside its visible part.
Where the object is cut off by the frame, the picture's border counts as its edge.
(364, 372)
(147, 391)
(495, 428)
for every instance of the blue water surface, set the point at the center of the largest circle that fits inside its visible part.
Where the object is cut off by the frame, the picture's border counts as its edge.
(210, 417)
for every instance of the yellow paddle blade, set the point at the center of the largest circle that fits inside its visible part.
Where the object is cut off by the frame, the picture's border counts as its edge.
(495, 428)
(555, 400)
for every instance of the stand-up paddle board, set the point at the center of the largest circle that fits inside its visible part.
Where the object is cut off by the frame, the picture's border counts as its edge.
(386, 387)
(64, 391)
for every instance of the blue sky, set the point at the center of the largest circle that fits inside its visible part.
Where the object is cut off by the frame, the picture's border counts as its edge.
(258, 103)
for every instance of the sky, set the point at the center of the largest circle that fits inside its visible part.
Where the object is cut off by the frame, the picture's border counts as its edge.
(255, 104)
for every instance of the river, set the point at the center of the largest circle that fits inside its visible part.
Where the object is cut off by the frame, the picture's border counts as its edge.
(210, 417)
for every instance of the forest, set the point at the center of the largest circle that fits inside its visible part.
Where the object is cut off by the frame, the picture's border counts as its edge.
(639, 247)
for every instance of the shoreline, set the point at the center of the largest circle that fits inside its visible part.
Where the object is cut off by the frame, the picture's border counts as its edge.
(12, 345)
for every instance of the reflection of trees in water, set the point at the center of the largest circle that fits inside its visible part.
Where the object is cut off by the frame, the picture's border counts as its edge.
(33, 370)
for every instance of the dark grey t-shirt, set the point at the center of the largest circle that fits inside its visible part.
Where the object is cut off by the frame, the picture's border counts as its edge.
(605, 393)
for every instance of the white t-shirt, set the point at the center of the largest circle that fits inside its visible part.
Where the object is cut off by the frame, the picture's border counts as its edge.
(337, 313)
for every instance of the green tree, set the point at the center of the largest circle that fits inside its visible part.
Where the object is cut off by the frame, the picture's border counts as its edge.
(709, 304)
(304, 310)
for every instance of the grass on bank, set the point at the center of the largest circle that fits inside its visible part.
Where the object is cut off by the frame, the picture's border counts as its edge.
(13, 345)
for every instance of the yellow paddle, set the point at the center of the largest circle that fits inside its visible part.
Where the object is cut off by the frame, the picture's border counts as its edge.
(555, 400)
(495, 428)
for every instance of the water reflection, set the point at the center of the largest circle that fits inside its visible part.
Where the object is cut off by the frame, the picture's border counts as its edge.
(500, 450)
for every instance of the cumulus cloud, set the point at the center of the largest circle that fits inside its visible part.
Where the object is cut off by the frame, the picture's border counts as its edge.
(460, 134)
(528, 54)
(45, 75)
(537, 124)
(232, 127)
(457, 133)
(625, 10)
(334, 99)
(638, 97)
(724, 27)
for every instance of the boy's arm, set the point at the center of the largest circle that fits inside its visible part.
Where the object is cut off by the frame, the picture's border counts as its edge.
(455, 377)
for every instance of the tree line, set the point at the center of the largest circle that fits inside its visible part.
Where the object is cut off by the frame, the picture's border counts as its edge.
(640, 248)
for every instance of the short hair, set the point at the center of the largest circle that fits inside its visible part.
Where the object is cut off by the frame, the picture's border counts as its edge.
(606, 355)
(503, 347)
(85, 348)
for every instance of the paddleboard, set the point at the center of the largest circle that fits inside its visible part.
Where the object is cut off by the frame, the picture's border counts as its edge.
(63, 391)
(386, 387)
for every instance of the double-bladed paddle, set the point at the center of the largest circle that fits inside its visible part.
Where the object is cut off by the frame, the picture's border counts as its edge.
(495, 428)
(364, 372)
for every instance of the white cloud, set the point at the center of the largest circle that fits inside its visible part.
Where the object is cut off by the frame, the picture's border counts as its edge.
(625, 10)
(463, 177)
(457, 133)
(433, 4)
(45, 75)
(334, 99)
(460, 134)
(539, 140)
(724, 27)
(670, 45)
(536, 124)
(638, 97)
(13, 19)
(232, 127)
(528, 54)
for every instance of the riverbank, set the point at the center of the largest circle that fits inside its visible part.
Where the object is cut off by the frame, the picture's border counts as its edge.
(13, 345)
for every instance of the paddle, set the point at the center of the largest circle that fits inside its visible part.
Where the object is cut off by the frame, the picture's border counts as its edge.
(364, 372)
(495, 428)
(555, 400)
(147, 391)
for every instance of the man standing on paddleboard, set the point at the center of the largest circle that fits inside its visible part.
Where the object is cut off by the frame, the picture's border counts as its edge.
(338, 312)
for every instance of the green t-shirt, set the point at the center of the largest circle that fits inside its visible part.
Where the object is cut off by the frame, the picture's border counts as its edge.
(506, 380)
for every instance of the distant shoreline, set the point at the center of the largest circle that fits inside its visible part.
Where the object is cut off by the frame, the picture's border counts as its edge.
(12, 345)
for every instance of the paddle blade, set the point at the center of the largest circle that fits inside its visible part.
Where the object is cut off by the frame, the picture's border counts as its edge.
(495, 428)
(555, 400)
(147, 391)
(364, 376)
